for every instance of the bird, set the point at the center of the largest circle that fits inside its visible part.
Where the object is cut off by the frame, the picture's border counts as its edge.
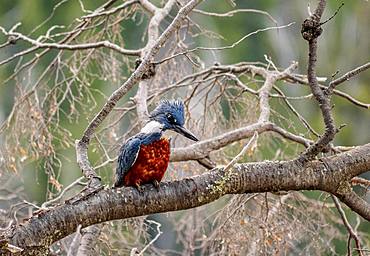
(144, 157)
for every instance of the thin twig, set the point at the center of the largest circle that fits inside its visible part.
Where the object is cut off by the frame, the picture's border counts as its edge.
(347, 76)
(112, 11)
(56, 199)
(352, 233)
(72, 47)
(250, 146)
(159, 233)
(222, 47)
(231, 13)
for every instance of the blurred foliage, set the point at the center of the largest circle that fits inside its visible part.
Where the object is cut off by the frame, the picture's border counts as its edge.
(344, 44)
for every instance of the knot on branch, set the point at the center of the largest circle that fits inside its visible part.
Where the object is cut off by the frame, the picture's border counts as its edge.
(344, 188)
(13, 39)
(148, 74)
(311, 28)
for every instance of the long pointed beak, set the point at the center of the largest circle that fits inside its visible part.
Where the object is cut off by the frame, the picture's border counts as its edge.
(183, 131)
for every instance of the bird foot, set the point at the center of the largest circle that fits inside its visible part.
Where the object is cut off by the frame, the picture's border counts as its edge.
(139, 188)
(156, 184)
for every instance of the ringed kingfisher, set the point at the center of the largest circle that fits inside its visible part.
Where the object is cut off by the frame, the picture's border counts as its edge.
(144, 157)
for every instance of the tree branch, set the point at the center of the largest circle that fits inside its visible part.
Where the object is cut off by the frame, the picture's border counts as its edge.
(348, 226)
(108, 204)
(112, 11)
(347, 76)
(70, 47)
(311, 30)
(356, 203)
(153, 33)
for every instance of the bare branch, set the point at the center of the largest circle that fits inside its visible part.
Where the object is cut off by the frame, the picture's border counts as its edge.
(75, 242)
(248, 147)
(355, 203)
(153, 33)
(112, 11)
(231, 13)
(196, 191)
(202, 149)
(348, 226)
(347, 76)
(74, 47)
(266, 88)
(88, 240)
(159, 233)
(148, 6)
(360, 181)
(223, 47)
(311, 30)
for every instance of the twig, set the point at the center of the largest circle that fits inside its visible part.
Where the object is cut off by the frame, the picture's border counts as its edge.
(298, 79)
(72, 47)
(296, 113)
(347, 76)
(335, 13)
(352, 233)
(112, 11)
(250, 146)
(231, 13)
(56, 199)
(360, 181)
(222, 47)
(356, 203)
(159, 233)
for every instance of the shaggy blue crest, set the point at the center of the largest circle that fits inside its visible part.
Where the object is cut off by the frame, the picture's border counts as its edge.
(169, 112)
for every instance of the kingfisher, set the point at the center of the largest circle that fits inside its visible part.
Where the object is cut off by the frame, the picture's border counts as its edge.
(144, 157)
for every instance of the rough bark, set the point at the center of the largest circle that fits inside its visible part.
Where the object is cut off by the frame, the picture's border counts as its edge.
(330, 175)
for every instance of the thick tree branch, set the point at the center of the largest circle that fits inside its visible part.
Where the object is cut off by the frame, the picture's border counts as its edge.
(108, 204)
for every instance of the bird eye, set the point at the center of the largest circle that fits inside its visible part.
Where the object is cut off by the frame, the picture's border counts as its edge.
(170, 118)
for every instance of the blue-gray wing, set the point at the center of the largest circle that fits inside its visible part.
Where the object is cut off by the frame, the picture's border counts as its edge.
(126, 159)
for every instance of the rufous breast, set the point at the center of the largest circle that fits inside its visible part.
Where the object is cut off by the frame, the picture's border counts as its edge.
(150, 165)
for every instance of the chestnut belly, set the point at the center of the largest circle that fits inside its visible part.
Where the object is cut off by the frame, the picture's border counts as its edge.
(150, 165)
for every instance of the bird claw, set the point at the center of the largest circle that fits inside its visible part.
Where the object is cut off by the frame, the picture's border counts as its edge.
(156, 184)
(139, 188)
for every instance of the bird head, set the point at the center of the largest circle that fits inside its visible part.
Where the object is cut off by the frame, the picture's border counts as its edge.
(170, 114)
